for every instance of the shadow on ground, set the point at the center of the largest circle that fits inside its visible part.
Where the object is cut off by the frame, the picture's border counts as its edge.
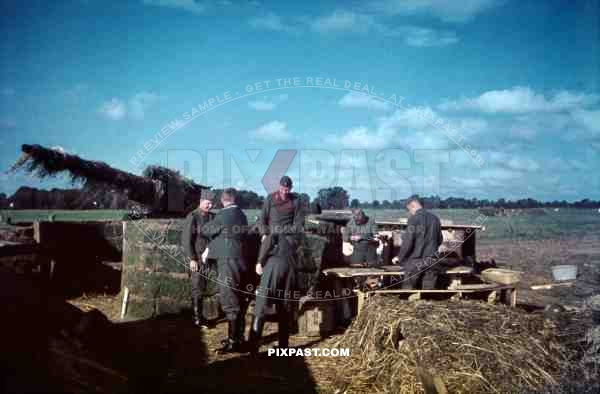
(51, 346)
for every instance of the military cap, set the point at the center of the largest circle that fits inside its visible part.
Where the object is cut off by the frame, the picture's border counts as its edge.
(207, 195)
(286, 181)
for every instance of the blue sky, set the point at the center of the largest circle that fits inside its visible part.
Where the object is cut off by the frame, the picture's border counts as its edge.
(517, 82)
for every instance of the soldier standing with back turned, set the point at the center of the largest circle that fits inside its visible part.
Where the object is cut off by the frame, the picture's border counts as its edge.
(227, 233)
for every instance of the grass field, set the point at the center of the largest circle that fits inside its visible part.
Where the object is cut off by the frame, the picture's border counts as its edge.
(566, 222)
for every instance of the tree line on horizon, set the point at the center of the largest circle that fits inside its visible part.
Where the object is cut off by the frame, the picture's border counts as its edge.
(335, 197)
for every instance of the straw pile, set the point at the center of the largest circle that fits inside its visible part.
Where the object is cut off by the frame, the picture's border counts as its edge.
(397, 346)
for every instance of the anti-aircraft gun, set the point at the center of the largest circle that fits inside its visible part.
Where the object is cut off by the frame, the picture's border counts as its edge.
(164, 191)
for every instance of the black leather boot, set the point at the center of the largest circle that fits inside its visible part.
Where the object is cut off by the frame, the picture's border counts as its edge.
(231, 344)
(199, 320)
(240, 329)
(196, 311)
(255, 336)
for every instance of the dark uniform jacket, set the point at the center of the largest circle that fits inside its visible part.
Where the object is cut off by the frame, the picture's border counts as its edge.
(422, 238)
(279, 216)
(193, 243)
(278, 281)
(227, 232)
(366, 230)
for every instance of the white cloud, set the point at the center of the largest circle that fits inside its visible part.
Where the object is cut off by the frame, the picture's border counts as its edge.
(265, 104)
(135, 109)
(359, 138)
(519, 100)
(590, 120)
(192, 6)
(426, 37)
(512, 162)
(446, 10)
(114, 109)
(343, 21)
(272, 22)
(359, 100)
(272, 131)
(140, 103)
(401, 129)
(407, 119)
(260, 105)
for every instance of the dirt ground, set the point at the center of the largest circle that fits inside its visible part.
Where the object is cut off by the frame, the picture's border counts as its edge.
(535, 259)
(184, 359)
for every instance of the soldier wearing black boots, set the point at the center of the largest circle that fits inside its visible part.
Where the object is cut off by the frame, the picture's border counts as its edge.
(227, 233)
(277, 287)
(194, 246)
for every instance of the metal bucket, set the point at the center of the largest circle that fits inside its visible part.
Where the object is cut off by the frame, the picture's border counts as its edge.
(564, 272)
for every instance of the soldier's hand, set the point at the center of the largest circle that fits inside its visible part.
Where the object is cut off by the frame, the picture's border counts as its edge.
(259, 269)
(194, 266)
(395, 260)
(262, 239)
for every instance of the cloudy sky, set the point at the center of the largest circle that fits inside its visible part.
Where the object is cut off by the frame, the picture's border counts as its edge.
(471, 98)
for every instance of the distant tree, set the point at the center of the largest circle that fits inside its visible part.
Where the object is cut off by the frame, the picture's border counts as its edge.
(333, 198)
(355, 203)
(375, 204)
(304, 200)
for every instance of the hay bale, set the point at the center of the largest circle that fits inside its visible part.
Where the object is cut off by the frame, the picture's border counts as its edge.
(471, 346)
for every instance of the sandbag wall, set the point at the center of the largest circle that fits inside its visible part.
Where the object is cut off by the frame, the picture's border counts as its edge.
(154, 268)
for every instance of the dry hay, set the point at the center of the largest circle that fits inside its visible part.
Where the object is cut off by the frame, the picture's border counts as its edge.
(472, 346)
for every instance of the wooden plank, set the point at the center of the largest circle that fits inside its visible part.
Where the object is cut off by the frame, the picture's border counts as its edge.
(460, 270)
(453, 291)
(444, 226)
(345, 272)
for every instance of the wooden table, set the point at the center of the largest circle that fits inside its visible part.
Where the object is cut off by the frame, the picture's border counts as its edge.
(507, 293)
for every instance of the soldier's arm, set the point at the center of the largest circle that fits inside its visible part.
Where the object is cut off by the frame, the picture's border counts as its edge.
(189, 237)
(408, 239)
(299, 218)
(213, 228)
(263, 220)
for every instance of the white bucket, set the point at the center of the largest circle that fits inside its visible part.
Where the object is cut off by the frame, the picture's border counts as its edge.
(564, 272)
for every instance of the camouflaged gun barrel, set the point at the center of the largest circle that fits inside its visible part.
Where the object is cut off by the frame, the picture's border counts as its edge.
(165, 191)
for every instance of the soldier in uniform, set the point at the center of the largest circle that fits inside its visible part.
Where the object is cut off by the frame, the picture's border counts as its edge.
(194, 247)
(282, 213)
(227, 232)
(277, 287)
(360, 233)
(420, 243)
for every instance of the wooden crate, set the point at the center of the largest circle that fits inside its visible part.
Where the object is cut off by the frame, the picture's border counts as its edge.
(317, 318)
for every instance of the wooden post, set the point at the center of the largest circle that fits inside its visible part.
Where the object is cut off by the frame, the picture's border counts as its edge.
(361, 301)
